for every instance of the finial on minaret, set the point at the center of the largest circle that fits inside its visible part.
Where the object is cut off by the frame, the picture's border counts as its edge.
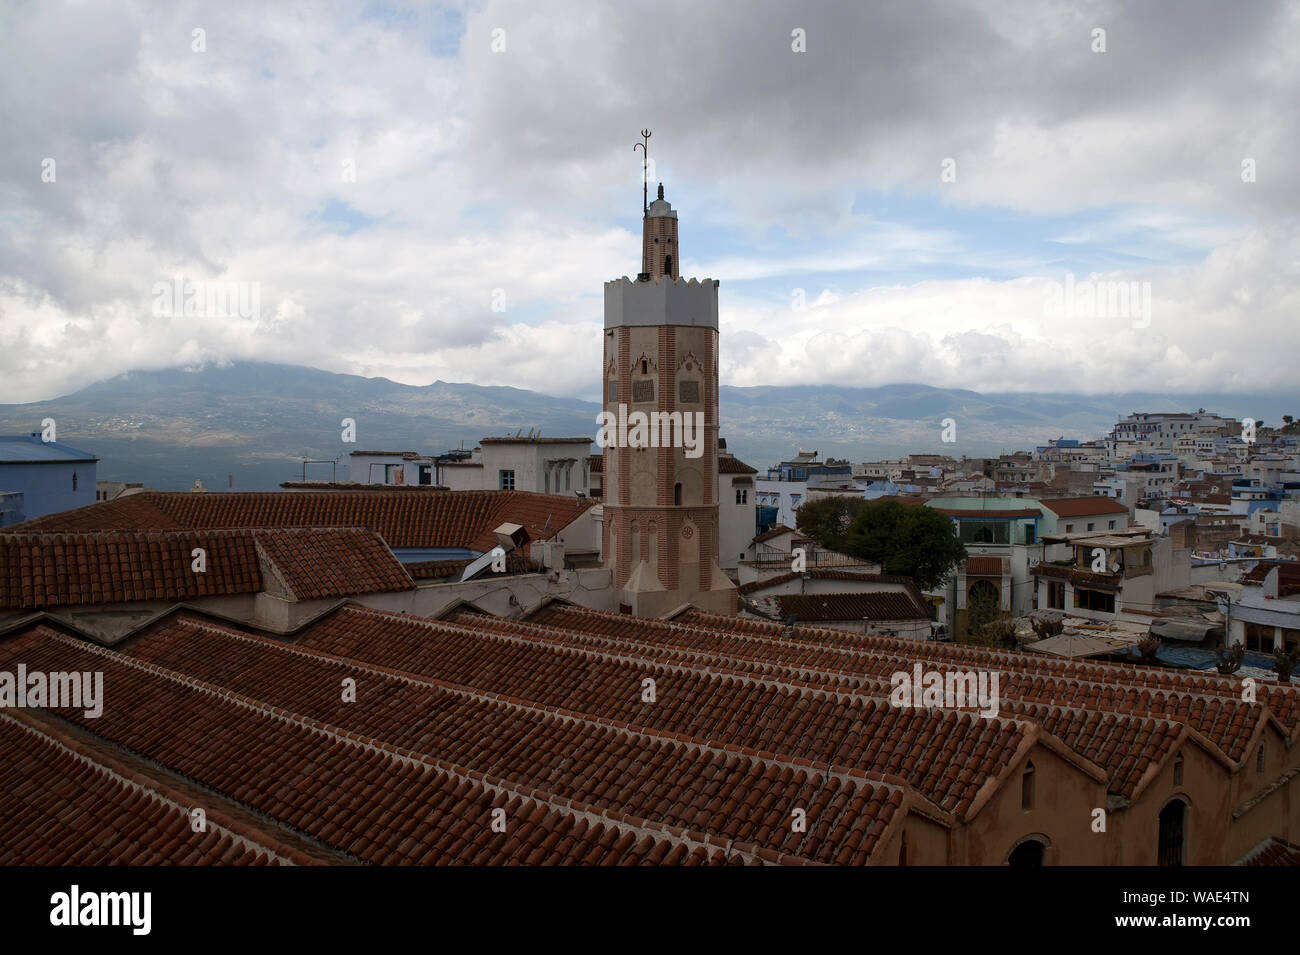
(644, 146)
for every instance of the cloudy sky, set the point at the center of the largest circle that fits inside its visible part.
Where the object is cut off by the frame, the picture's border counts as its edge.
(439, 192)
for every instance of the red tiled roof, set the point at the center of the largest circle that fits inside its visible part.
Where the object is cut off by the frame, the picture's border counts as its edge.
(774, 532)
(1081, 506)
(68, 804)
(543, 718)
(734, 466)
(881, 605)
(1272, 852)
(516, 563)
(1288, 575)
(402, 517)
(331, 562)
(820, 573)
(39, 570)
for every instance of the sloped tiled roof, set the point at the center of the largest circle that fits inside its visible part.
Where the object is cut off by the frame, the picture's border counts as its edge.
(821, 573)
(1272, 852)
(860, 606)
(404, 518)
(452, 569)
(729, 465)
(332, 562)
(1080, 506)
(60, 805)
(39, 570)
(543, 719)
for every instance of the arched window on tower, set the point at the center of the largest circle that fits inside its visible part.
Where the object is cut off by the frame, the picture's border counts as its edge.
(668, 265)
(677, 494)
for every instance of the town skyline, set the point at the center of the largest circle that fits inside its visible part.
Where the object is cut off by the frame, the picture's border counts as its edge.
(390, 224)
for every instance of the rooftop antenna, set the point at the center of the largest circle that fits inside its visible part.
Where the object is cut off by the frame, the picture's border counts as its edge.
(644, 146)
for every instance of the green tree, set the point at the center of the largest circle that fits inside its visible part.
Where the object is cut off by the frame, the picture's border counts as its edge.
(907, 540)
(826, 520)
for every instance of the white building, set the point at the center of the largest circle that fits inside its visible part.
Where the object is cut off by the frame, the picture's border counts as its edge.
(390, 467)
(737, 510)
(544, 465)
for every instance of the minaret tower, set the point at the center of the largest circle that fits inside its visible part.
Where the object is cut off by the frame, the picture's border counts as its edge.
(660, 529)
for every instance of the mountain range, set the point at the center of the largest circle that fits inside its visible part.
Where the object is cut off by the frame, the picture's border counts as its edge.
(250, 425)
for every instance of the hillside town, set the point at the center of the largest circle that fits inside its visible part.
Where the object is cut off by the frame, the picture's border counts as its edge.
(643, 653)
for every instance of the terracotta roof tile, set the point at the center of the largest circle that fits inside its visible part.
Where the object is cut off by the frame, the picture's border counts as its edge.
(403, 519)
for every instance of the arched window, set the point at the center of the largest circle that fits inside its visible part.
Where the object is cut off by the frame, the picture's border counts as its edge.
(668, 265)
(1027, 787)
(1178, 770)
(645, 367)
(1029, 852)
(677, 495)
(1172, 833)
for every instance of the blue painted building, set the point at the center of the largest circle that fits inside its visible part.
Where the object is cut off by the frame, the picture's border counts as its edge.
(50, 476)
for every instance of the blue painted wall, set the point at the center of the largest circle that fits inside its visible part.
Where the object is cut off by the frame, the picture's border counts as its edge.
(46, 486)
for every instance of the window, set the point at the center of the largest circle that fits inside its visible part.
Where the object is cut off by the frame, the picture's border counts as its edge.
(426, 474)
(742, 496)
(1056, 595)
(1092, 526)
(1028, 853)
(645, 367)
(546, 482)
(1027, 787)
(611, 391)
(1112, 526)
(1178, 770)
(677, 495)
(1094, 600)
(1170, 845)
(508, 480)
(74, 480)
(1069, 528)
(568, 478)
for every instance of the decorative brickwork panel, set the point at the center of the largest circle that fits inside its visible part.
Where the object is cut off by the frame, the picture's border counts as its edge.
(688, 391)
(643, 390)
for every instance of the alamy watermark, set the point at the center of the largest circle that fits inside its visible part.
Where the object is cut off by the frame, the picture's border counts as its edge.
(953, 689)
(207, 299)
(654, 429)
(1098, 298)
(29, 688)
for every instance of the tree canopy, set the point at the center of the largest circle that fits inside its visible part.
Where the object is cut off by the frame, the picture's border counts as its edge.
(827, 519)
(907, 540)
